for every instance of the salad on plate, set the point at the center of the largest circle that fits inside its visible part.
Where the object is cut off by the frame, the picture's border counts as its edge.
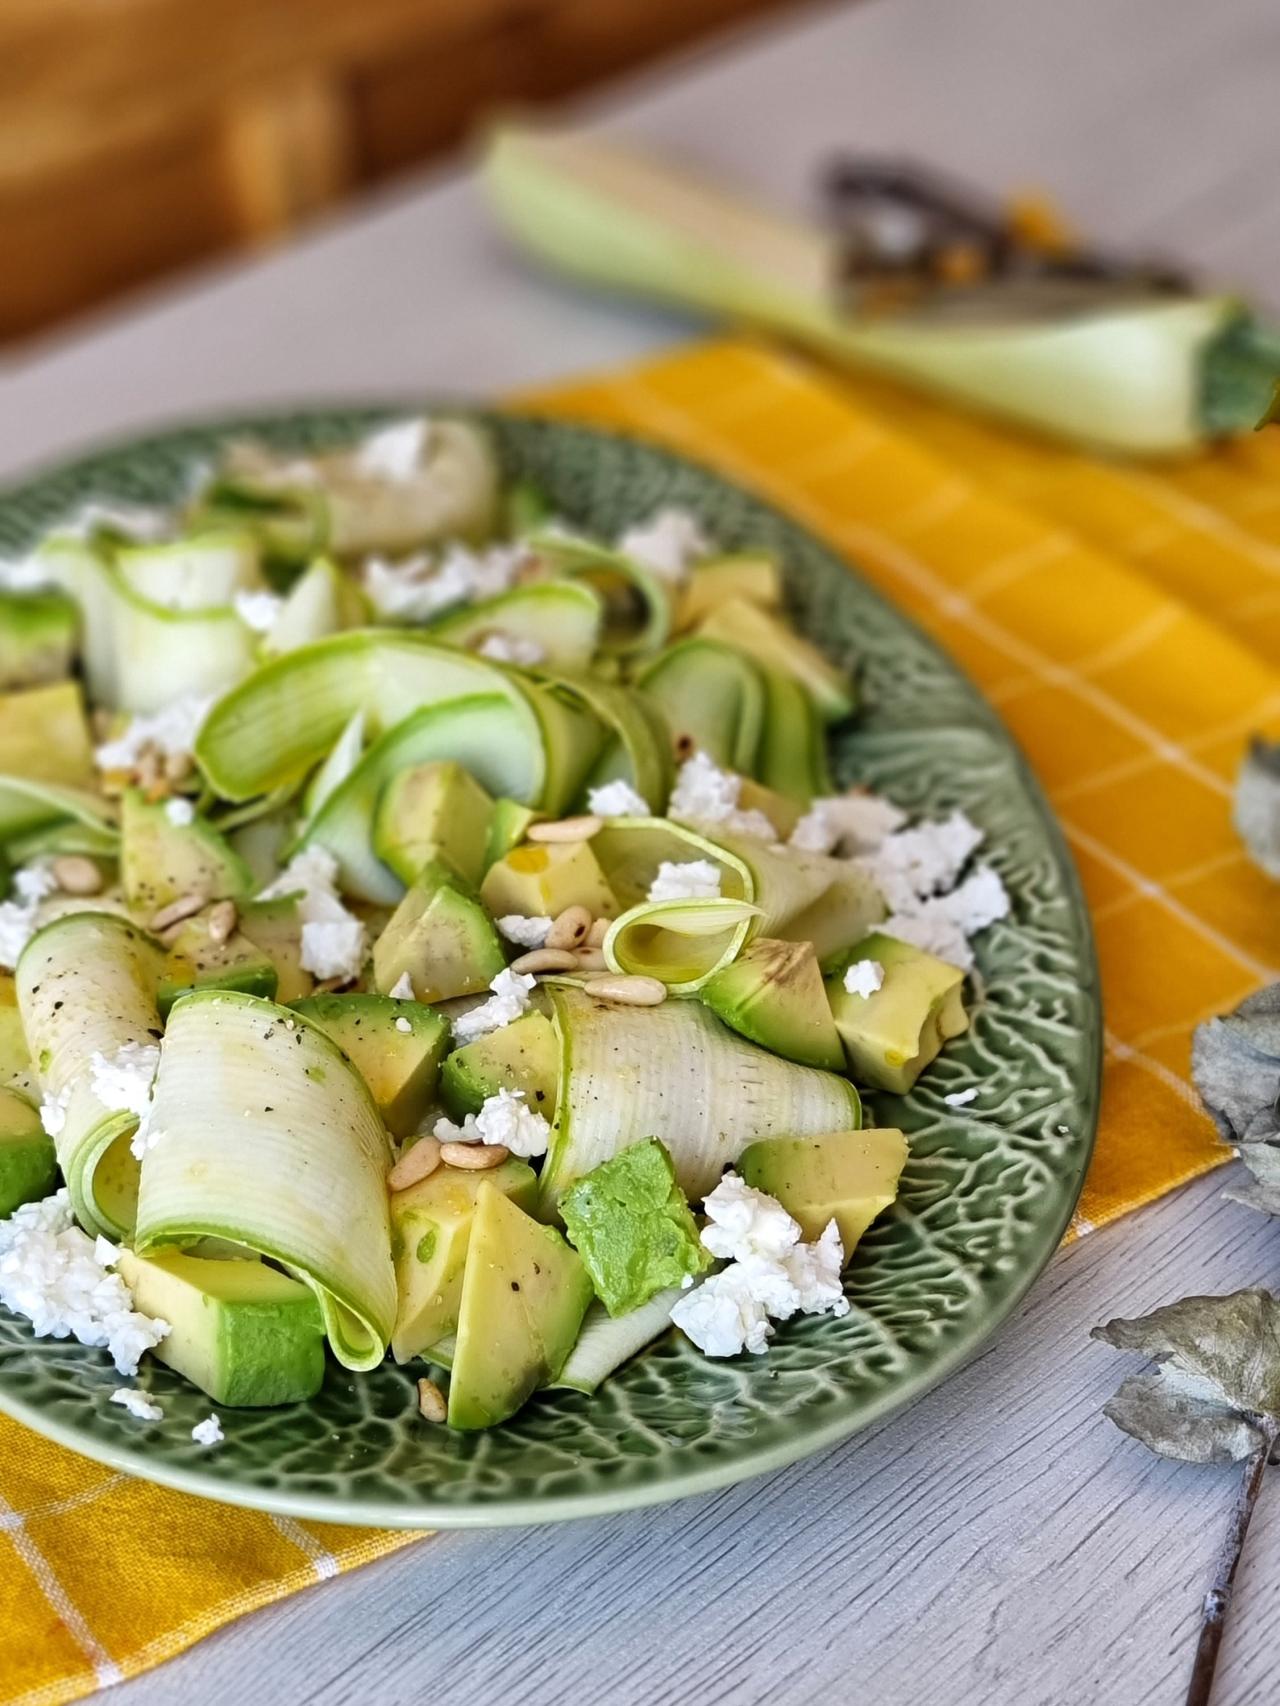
(433, 932)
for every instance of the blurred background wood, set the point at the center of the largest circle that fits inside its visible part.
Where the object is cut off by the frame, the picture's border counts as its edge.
(140, 135)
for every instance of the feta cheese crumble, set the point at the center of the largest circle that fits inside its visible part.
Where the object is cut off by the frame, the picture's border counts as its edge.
(169, 732)
(402, 988)
(856, 822)
(668, 544)
(743, 1222)
(512, 648)
(690, 879)
(704, 793)
(864, 977)
(333, 939)
(122, 1082)
(179, 811)
(505, 1119)
(258, 610)
(394, 452)
(135, 522)
(208, 1432)
(617, 799)
(53, 1111)
(524, 932)
(914, 864)
(137, 1404)
(419, 587)
(54, 1275)
(508, 1002)
(19, 916)
(403, 1025)
(961, 1098)
(943, 924)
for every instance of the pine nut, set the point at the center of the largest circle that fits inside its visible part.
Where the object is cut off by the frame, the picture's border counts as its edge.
(627, 991)
(546, 959)
(186, 906)
(431, 1404)
(565, 829)
(569, 930)
(597, 933)
(74, 874)
(417, 1163)
(474, 1157)
(222, 921)
(178, 766)
(591, 959)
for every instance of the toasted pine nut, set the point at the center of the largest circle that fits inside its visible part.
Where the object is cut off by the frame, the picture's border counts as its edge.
(627, 991)
(74, 874)
(546, 959)
(565, 829)
(415, 1164)
(431, 1404)
(569, 930)
(222, 921)
(177, 766)
(597, 933)
(591, 959)
(474, 1157)
(186, 906)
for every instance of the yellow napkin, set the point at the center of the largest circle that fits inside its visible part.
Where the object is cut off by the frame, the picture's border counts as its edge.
(1126, 624)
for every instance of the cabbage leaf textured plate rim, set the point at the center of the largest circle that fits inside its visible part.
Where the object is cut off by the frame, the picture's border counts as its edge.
(986, 1197)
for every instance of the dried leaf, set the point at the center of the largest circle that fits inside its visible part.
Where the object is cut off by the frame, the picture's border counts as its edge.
(1257, 808)
(1214, 1396)
(1235, 1061)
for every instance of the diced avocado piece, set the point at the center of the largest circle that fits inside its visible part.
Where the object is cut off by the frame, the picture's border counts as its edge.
(15, 1057)
(845, 1176)
(37, 637)
(891, 1036)
(773, 993)
(441, 938)
(44, 735)
(507, 827)
(770, 641)
(430, 1230)
(28, 1165)
(161, 860)
(396, 1046)
(754, 579)
(275, 926)
(241, 1331)
(433, 811)
(524, 1293)
(521, 1056)
(629, 1221)
(542, 878)
(195, 961)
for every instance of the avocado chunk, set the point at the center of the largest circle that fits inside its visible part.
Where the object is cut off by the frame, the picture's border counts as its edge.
(44, 735)
(752, 578)
(773, 993)
(846, 1176)
(430, 1231)
(768, 639)
(37, 637)
(524, 1293)
(521, 1056)
(195, 961)
(241, 1331)
(433, 811)
(441, 938)
(28, 1166)
(629, 1221)
(542, 878)
(891, 1036)
(507, 828)
(275, 926)
(395, 1046)
(161, 860)
(15, 1057)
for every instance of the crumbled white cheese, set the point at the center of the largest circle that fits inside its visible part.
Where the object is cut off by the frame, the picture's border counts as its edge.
(258, 610)
(208, 1432)
(512, 648)
(446, 1130)
(505, 1119)
(403, 1025)
(53, 1111)
(864, 977)
(333, 939)
(856, 822)
(123, 1081)
(914, 864)
(395, 452)
(24, 574)
(19, 917)
(668, 544)
(419, 587)
(688, 879)
(402, 988)
(961, 1098)
(704, 793)
(942, 924)
(137, 1404)
(617, 799)
(771, 1274)
(179, 811)
(171, 732)
(53, 1275)
(508, 1002)
(524, 932)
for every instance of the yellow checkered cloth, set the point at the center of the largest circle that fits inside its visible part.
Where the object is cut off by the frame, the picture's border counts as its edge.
(1127, 625)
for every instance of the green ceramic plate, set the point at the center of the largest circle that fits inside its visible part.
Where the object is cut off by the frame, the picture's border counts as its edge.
(985, 1198)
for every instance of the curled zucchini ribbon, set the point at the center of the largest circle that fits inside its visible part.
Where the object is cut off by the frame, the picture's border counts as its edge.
(639, 607)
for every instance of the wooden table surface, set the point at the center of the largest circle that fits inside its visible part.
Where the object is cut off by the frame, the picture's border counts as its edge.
(999, 1544)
